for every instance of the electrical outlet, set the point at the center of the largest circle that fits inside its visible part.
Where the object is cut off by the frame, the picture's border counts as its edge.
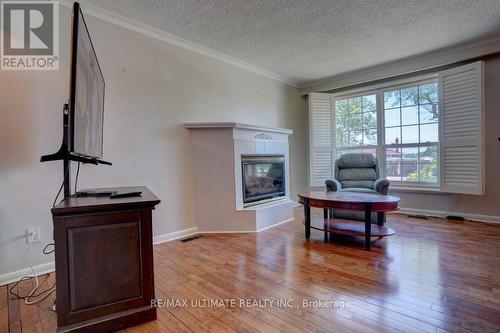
(33, 231)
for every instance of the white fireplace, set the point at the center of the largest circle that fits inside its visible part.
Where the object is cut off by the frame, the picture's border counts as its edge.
(241, 176)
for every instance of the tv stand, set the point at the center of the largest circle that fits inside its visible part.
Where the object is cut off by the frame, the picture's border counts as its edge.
(64, 154)
(104, 261)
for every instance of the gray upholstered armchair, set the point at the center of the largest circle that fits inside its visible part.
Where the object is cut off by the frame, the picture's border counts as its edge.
(358, 173)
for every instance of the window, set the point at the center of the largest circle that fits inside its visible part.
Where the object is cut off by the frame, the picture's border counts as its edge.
(399, 125)
(411, 133)
(356, 124)
(426, 132)
(409, 140)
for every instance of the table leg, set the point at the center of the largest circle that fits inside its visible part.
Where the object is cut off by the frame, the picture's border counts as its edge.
(330, 213)
(307, 219)
(380, 218)
(325, 223)
(368, 226)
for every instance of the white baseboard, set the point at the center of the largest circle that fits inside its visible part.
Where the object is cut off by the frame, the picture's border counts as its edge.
(478, 217)
(227, 232)
(276, 225)
(175, 235)
(17, 275)
(426, 212)
(245, 231)
(442, 214)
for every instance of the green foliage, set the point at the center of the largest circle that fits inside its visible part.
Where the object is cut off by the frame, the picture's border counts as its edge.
(356, 118)
(425, 95)
(356, 121)
(428, 173)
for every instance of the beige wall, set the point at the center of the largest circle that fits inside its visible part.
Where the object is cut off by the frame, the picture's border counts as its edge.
(152, 88)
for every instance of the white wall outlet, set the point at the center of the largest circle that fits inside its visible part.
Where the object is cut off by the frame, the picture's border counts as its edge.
(33, 233)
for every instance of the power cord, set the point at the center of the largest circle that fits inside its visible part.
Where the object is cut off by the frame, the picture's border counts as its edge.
(60, 188)
(77, 174)
(33, 297)
(46, 246)
(64, 181)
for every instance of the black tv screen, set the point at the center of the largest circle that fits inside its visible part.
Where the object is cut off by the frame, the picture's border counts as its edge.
(86, 92)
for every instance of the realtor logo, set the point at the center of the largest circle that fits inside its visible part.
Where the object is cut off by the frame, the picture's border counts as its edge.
(30, 39)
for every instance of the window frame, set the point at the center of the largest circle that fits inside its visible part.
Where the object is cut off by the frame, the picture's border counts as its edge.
(334, 119)
(381, 146)
(383, 143)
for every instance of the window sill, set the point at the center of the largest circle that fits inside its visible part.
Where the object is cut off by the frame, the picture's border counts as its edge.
(419, 190)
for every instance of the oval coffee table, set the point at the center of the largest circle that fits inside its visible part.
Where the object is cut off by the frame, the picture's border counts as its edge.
(367, 202)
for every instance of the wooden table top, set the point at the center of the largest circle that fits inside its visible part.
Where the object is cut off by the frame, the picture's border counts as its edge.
(84, 204)
(349, 200)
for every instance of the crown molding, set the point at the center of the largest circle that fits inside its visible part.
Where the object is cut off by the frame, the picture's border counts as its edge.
(130, 24)
(426, 61)
(404, 66)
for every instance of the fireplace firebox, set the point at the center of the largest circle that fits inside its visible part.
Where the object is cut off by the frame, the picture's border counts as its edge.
(263, 178)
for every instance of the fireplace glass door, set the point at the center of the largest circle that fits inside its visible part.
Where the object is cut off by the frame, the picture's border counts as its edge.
(263, 177)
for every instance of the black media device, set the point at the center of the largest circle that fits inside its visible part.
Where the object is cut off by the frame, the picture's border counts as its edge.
(86, 93)
(104, 193)
(94, 193)
(125, 194)
(83, 115)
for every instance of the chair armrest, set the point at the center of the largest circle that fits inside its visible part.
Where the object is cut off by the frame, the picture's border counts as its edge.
(333, 185)
(381, 185)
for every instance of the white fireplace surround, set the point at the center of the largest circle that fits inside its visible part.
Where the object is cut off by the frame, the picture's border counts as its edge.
(216, 152)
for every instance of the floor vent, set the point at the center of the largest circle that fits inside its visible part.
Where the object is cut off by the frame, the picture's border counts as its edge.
(455, 217)
(185, 240)
(419, 216)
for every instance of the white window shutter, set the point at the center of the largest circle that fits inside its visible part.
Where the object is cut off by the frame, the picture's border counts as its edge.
(461, 129)
(321, 138)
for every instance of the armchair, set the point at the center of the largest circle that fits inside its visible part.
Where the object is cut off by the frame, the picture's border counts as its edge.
(357, 173)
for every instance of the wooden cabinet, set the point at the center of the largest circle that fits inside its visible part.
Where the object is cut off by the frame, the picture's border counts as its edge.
(104, 262)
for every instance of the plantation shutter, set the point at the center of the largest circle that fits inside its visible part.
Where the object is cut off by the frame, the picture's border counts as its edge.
(462, 131)
(321, 138)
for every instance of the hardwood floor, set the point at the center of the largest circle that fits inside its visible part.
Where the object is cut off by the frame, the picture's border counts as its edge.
(432, 276)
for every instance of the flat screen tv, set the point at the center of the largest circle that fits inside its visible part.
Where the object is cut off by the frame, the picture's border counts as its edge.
(86, 99)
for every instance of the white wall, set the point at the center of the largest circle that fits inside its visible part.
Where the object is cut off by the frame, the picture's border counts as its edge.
(152, 88)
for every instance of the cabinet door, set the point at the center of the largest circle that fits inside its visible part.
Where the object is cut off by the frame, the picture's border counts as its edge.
(103, 264)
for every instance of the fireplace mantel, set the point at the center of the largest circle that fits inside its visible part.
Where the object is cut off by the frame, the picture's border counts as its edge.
(237, 125)
(217, 151)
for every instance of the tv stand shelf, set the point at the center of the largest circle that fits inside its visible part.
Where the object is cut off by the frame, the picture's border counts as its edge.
(104, 261)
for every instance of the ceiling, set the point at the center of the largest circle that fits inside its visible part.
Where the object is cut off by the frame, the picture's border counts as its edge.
(306, 41)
